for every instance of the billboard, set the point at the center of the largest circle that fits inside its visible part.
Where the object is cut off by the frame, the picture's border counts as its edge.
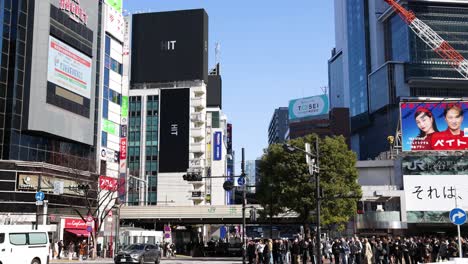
(69, 68)
(115, 23)
(170, 46)
(217, 145)
(436, 126)
(435, 192)
(174, 130)
(116, 4)
(308, 106)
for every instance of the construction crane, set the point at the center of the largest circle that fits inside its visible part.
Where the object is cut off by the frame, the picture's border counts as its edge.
(431, 38)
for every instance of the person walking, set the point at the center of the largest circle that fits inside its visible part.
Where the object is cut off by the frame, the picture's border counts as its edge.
(367, 252)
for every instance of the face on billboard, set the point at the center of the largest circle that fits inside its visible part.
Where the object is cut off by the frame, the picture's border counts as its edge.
(69, 68)
(434, 126)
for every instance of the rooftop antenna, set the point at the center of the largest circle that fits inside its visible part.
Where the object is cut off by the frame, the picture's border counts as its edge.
(217, 53)
(324, 89)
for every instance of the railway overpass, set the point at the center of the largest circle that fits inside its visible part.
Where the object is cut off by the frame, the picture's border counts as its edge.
(204, 214)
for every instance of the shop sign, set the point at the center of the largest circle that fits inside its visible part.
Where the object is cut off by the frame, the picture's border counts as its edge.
(109, 155)
(75, 11)
(123, 148)
(107, 183)
(28, 182)
(75, 223)
(435, 165)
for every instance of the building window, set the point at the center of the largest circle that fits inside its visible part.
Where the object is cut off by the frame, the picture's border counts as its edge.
(104, 139)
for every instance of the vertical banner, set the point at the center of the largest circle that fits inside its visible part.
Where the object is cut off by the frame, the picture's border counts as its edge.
(174, 130)
(217, 145)
(123, 148)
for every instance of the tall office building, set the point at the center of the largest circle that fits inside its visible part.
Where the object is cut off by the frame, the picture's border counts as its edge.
(278, 126)
(168, 117)
(49, 107)
(378, 60)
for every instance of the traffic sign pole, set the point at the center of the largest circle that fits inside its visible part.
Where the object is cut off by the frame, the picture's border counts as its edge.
(458, 217)
(459, 243)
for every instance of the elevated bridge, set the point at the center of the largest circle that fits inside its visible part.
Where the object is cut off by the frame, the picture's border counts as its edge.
(204, 214)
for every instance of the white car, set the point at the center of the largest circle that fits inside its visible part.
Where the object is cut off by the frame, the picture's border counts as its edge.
(23, 245)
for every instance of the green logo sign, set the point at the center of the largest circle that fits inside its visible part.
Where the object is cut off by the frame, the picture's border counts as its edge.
(110, 127)
(116, 4)
(124, 108)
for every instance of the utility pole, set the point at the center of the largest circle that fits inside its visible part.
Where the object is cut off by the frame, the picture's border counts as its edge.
(244, 245)
(317, 197)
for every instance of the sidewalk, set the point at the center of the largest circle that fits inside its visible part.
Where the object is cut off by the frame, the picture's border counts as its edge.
(75, 260)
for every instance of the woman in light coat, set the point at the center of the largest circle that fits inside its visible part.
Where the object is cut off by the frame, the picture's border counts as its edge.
(367, 252)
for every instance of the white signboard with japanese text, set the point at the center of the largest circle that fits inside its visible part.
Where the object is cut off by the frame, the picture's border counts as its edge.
(435, 192)
(69, 68)
(115, 23)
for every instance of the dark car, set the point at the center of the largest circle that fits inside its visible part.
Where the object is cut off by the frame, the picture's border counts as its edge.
(139, 253)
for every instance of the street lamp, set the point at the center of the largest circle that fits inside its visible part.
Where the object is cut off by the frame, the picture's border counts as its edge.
(312, 160)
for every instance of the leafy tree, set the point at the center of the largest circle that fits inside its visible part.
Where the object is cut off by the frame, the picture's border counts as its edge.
(286, 184)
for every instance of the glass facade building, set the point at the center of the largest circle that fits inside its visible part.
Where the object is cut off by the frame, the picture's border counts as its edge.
(358, 58)
(15, 142)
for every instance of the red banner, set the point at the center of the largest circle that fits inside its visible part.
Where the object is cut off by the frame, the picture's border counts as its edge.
(107, 183)
(123, 148)
(75, 223)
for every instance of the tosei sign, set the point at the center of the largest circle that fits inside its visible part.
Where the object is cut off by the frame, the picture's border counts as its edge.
(434, 126)
(309, 106)
(69, 68)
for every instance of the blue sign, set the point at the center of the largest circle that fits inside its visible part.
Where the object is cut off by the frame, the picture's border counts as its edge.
(217, 145)
(458, 216)
(89, 229)
(40, 196)
(241, 181)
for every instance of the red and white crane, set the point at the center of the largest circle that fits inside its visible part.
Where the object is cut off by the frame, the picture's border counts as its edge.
(431, 38)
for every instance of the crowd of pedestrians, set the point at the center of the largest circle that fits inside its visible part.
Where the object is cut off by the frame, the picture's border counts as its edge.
(355, 250)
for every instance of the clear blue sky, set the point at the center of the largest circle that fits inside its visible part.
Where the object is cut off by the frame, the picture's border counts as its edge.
(271, 52)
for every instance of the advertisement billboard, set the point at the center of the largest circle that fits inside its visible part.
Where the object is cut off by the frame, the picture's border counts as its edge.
(308, 106)
(435, 192)
(115, 23)
(436, 126)
(174, 130)
(217, 145)
(123, 148)
(170, 46)
(107, 183)
(69, 68)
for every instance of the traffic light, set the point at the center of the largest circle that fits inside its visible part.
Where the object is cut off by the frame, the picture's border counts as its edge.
(83, 186)
(192, 176)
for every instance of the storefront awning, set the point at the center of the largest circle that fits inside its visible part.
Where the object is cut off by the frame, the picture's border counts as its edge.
(78, 232)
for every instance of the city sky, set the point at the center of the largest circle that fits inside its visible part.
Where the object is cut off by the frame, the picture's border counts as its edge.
(271, 52)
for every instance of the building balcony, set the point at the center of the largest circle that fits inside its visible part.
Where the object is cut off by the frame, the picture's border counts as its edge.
(199, 90)
(380, 220)
(197, 118)
(197, 148)
(197, 132)
(198, 102)
(197, 163)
